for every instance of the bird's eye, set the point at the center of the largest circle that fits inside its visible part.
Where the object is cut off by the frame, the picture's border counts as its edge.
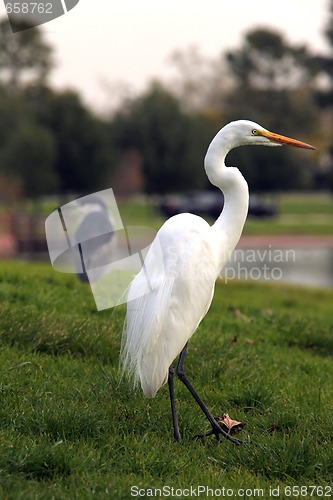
(255, 132)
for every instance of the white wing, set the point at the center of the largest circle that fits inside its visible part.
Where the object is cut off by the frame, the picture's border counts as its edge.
(160, 322)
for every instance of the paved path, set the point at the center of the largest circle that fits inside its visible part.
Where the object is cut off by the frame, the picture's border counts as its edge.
(7, 246)
(285, 240)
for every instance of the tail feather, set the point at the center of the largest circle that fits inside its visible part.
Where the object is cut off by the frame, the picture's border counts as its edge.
(144, 355)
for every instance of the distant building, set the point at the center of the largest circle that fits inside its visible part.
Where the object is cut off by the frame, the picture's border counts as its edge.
(129, 177)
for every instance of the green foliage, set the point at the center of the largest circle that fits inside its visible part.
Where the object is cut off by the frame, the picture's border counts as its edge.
(31, 147)
(266, 61)
(172, 142)
(50, 141)
(83, 153)
(324, 64)
(329, 28)
(269, 74)
(27, 149)
(71, 428)
(268, 169)
(24, 57)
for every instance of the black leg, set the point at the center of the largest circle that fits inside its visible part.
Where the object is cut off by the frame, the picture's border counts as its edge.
(173, 405)
(216, 428)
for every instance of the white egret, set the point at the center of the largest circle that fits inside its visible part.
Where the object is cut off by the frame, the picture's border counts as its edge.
(160, 323)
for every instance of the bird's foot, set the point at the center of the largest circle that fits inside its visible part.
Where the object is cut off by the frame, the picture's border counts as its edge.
(217, 432)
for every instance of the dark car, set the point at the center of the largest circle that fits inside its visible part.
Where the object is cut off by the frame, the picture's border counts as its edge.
(210, 204)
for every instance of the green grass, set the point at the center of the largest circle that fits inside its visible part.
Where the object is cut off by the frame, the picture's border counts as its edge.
(310, 213)
(306, 203)
(307, 213)
(70, 428)
(280, 226)
(298, 213)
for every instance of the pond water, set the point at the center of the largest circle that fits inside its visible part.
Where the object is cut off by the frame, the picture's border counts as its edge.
(310, 266)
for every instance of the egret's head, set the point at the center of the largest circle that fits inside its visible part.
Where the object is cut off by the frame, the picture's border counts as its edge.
(241, 133)
(245, 132)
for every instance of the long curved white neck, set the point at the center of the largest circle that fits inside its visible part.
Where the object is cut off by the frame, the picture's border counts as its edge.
(235, 190)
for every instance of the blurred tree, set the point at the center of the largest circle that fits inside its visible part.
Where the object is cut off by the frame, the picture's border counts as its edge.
(324, 98)
(266, 61)
(29, 156)
(48, 140)
(27, 150)
(171, 142)
(273, 86)
(25, 57)
(325, 64)
(51, 142)
(273, 81)
(201, 83)
(83, 153)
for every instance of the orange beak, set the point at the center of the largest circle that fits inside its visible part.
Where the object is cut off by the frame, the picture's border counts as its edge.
(281, 139)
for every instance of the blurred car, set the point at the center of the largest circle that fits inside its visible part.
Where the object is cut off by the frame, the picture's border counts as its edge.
(210, 204)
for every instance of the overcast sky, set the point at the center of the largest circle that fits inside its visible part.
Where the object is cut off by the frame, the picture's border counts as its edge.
(130, 41)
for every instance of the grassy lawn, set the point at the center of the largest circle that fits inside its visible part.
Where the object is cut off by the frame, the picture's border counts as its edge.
(298, 213)
(310, 213)
(70, 428)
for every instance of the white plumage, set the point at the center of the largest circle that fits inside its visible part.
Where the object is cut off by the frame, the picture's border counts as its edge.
(160, 323)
